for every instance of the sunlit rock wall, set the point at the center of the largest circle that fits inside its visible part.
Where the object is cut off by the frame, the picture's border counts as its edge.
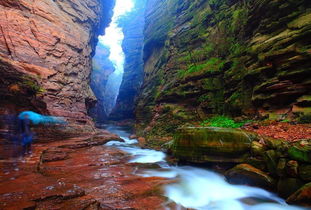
(230, 57)
(133, 27)
(45, 55)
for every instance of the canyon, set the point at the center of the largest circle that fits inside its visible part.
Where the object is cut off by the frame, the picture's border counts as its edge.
(223, 85)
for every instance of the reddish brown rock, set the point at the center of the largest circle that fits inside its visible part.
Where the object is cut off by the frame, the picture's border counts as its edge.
(301, 196)
(141, 141)
(50, 44)
(86, 177)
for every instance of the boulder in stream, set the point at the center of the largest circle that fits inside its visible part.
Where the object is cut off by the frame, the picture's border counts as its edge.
(301, 196)
(247, 174)
(208, 144)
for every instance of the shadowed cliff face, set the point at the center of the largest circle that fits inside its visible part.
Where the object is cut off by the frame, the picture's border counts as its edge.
(102, 69)
(46, 47)
(133, 26)
(223, 57)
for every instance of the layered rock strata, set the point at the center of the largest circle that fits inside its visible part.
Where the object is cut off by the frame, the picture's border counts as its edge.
(133, 29)
(224, 57)
(45, 55)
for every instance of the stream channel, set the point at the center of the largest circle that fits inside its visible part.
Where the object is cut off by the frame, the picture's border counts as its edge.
(193, 187)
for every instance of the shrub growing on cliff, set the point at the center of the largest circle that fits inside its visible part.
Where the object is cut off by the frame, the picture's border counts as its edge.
(223, 122)
(30, 84)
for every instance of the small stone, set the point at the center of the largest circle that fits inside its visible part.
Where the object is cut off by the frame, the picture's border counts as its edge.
(273, 143)
(141, 141)
(133, 137)
(301, 151)
(280, 170)
(271, 160)
(301, 196)
(257, 148)
(305, 172)
(292, 168)
(287, 186)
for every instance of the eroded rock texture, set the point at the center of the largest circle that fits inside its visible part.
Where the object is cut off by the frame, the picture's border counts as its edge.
(223, 57)
(45, 55)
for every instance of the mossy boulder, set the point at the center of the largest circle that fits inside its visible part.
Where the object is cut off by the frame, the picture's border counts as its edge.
(281, 167)
(258, 148)
(247, 174)
(271, 159)
(292, 168)
(273, 143)
(301, 151)
(209, 144)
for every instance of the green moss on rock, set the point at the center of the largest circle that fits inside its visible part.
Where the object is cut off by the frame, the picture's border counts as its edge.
(301, 151)
(204, 144)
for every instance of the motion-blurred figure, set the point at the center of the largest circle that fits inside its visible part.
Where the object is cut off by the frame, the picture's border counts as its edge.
(27, 118)
(26, 134)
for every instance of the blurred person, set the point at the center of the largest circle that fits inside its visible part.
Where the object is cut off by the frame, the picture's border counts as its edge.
(26, 134)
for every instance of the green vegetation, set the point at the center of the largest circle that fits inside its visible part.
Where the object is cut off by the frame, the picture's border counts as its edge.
(239, 17)
(203, 98)
(213, 64)
(197, 55)
(223, 122)
(31, 84)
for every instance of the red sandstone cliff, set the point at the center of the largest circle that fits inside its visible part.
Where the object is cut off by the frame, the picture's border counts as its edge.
(45, 55)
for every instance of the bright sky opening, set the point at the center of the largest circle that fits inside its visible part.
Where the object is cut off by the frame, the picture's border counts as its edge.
(114, 36)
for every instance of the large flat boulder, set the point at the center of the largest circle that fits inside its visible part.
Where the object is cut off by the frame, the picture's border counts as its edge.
(208, 144)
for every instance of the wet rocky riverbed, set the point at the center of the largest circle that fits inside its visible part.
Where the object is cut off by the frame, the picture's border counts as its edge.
(109, 172)
(75, 173)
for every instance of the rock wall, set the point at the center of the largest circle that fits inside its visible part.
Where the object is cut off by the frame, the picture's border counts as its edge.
(102, 69)
(45, 55)
(233, 57)
(133, 27)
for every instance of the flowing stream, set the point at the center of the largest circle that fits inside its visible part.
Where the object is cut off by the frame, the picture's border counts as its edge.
(197, 188)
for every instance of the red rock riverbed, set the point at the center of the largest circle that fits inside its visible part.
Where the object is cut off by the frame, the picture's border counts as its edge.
(76, 174)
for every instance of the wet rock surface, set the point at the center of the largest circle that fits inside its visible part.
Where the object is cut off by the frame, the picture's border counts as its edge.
(62, 175)
(247, 174)
(302, 196)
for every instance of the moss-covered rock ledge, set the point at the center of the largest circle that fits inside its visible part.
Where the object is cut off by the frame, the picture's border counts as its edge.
(266, 162)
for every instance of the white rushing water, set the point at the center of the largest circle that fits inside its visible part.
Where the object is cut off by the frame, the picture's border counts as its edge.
(198, 188)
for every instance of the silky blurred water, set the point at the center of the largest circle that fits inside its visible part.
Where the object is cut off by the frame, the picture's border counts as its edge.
(198, 188)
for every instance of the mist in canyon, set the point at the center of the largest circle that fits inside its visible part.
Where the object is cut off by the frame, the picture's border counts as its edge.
(108, 67)
(155, 104)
